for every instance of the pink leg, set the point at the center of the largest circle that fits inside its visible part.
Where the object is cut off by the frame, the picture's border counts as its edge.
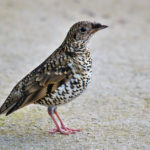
(58, 129)
(62, 125)
(63, 129)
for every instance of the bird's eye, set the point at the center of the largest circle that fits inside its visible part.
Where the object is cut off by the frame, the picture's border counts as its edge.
(83, 29)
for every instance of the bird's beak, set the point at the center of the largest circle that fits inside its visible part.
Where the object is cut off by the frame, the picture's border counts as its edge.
(97, 26)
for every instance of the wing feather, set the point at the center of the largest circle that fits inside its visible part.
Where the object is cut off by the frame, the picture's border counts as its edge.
(36, 85)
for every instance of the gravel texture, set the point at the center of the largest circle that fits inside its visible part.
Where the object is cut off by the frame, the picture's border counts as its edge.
(114, 113)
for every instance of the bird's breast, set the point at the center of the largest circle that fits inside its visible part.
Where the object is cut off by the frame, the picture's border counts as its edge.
(81, 76)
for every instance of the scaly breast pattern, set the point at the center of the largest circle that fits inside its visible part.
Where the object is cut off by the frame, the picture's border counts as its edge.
(82, 71)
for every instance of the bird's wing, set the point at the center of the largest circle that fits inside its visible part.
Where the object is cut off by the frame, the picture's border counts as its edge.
(36, 85)
(39, 86)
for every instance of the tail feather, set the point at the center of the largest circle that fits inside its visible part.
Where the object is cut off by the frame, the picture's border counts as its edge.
(10, 105)
(16, 106)
(5, 109)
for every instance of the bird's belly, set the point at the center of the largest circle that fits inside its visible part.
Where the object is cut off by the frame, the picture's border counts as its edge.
(68, 91)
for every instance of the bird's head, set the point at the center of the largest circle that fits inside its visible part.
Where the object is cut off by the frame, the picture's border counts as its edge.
(83, 30)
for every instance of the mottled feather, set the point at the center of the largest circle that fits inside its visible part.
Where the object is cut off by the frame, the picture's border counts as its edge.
(34, 86)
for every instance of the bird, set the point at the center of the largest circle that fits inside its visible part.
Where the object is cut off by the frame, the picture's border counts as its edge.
(62, 77)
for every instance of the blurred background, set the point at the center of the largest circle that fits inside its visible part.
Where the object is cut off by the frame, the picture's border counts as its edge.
(114, 111)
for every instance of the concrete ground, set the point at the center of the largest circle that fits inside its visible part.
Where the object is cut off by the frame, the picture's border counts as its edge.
(114, 113)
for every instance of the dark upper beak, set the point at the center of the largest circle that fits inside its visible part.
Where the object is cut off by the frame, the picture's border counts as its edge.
(98, 26)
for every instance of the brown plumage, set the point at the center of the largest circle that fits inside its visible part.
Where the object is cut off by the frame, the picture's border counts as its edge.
(60, 78)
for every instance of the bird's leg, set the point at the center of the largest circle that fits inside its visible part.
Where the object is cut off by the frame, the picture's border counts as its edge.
(51, 111)
(63, 126)
(63, 129)
(57, 126)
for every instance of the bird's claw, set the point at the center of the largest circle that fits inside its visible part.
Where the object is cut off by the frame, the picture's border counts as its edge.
(76, 130)
(65, 131)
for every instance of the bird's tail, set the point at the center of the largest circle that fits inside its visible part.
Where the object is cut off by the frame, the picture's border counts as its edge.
(16, 106)
(4, 109)
(10, 108)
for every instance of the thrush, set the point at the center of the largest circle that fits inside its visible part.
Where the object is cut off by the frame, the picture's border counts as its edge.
(63, 76)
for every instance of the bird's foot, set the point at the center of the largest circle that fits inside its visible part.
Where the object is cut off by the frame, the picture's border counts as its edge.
(65, 131)
(62, 129)
(75, 130)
